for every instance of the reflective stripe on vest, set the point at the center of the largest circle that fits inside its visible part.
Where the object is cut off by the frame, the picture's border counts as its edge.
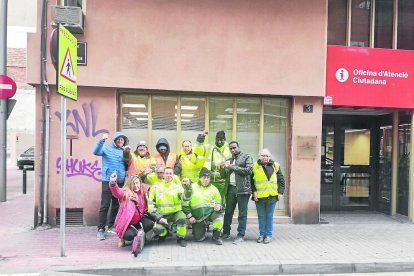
(264, 187)
(166, 196)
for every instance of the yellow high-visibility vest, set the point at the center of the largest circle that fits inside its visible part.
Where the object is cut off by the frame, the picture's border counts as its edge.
(190, 167)
(265, 187)
(166, 197)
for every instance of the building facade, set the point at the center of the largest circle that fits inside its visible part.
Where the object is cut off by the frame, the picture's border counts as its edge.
(170, 69)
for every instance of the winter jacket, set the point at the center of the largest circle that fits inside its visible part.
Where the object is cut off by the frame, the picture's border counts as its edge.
(242, 169)
(203, 199)
(112, 157)
(127, 208)
(169, 159)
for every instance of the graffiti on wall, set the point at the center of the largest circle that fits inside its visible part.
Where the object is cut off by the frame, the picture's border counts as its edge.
(85, 122)
(80, 167)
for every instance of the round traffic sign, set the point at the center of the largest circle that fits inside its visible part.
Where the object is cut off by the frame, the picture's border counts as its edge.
(7, 87)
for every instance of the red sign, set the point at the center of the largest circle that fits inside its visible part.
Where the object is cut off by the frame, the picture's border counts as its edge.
(7, 87)
(371, 77)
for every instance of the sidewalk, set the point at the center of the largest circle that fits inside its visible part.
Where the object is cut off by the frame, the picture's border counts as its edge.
(353, 242)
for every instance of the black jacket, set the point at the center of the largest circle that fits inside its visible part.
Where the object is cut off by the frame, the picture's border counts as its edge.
(242, 169)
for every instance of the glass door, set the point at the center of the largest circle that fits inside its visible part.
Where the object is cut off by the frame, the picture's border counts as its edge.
(347, 173)
(354, 166)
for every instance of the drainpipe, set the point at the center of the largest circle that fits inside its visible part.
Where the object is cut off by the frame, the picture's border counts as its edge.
(44, 88)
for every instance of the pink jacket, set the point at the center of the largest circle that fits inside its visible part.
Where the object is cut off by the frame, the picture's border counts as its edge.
(127, 209)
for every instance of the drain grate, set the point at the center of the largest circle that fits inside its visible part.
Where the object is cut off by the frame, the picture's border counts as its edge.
(74, 216)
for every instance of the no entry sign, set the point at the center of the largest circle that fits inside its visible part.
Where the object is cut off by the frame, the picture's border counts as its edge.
(7, 87)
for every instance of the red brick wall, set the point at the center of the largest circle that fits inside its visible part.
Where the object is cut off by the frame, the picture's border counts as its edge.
(16, 66)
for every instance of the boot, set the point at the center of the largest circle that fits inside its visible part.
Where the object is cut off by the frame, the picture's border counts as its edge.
(216, 237)
(182, 242)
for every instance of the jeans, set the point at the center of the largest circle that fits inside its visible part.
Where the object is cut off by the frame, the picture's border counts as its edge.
(232, 200)
(107, 200)
(147, 224)
(265, 208)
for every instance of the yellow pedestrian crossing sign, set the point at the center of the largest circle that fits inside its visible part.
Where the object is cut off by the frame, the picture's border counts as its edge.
(67, 68)
(67, 64)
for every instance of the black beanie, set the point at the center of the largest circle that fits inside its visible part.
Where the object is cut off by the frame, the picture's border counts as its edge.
(221, 135)
(204, 171)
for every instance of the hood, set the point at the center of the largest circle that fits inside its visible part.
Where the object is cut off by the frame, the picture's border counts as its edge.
(163, 141)
(119, 134)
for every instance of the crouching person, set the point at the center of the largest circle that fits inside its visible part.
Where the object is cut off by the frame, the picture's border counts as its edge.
(164, 204)
(130, 223)
(205, 208)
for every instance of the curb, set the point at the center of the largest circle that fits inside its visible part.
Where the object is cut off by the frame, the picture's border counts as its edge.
(214, 268)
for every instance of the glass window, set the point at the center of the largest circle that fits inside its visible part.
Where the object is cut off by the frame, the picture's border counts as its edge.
(337, 11)
(192, 117)
(164, 122)
(357, 147)
(134, 112)
(221, 117)
(135, 115)
(275, 128)
(274, 136)
(360, 22)
(406, 24)
(383, 23)
(248, 120)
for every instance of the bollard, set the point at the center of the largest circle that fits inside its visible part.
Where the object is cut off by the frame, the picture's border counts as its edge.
(24, 180)
(25, 169)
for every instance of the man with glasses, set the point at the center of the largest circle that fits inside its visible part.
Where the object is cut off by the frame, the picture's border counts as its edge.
(239, 169)
(268, 184)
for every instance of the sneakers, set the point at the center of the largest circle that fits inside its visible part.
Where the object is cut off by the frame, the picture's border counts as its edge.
(259, 239)
(182, 242)
(218, 240)
(238, 239)
(162, 238)
(267, 240)
(111, 230)
(101, 234)
(225, 236)
(202, 238)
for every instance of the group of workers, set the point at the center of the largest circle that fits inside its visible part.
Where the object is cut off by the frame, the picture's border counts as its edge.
(197, 189)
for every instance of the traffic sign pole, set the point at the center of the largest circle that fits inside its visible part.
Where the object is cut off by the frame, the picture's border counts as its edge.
(3, 102)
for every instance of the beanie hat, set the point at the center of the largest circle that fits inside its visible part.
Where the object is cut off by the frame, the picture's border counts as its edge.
(142, 143)
(221, 135)
(204, 172)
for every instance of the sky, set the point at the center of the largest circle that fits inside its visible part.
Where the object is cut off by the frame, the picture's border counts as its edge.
(21, 19)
